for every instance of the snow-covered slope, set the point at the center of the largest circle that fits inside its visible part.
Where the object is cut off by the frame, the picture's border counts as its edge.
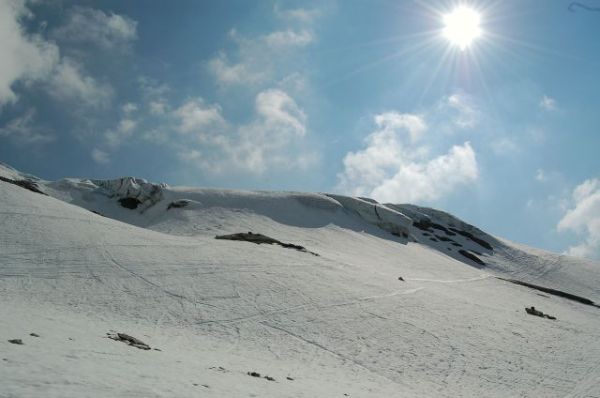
(338, 324)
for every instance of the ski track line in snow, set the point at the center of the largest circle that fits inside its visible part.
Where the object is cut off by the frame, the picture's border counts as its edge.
(304, 306)
(330, 351)
(84, 220)
(584, 387)
(179, 297)
(92, 246)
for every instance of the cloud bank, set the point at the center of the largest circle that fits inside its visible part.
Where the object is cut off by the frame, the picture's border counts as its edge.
(394, 167)
(23, 57)
(584, 219)
(87, 25)
(268, 140)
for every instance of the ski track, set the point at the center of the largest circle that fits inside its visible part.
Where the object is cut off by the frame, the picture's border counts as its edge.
(176, 296)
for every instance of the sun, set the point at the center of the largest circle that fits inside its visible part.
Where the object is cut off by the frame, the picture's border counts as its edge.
(462, 26)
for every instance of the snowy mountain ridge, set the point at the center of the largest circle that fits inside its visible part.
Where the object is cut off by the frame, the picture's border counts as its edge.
(400, 300)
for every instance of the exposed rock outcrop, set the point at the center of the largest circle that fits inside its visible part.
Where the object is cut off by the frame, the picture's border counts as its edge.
(471, 257)
(27, 184)
(132, 193)
(129, 340)
(262, 239)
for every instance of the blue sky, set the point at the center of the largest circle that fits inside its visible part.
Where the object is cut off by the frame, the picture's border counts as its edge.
(360, 97)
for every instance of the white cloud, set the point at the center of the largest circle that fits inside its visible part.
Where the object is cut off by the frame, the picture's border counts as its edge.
(124, 130)
(155, 95)
(158, 107)
(109, 31)
(392, 121)
(294, 82)
(69, 83)
(23, 57)
(467, 115)
(29, 58)
(280, 111)
(100, 156)
(584, 219)
(157, 136)
(24, 130)
(199, 118)
(298, 14)
(129, 107)
(152, 89)
(541, 176)
(270, 140)
(547, 103)
(546, 176)
(228, 74)
(288, 38)
(258, 59)
(115, 137)
(393, 169)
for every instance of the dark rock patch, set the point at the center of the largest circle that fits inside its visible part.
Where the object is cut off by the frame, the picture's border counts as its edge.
(401, 278)
(34, 335)
(290, 378)
(129, 340)
(456, 244)
(130, 203)
(262, 239)
(256, 374)
(219, 369)
(471, 256)
(426, 234)
(423, 224)
(16, 341)
(433, 239)
(472, 237)
(27, 184)
(178, 204)
(532, 311)
(443, 238)
(553, 292)
(426, 225)
(440, 227)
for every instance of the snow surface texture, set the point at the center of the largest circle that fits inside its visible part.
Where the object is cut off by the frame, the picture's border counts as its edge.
(334, 325)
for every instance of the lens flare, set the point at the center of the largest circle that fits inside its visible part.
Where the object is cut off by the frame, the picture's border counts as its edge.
(462, 26)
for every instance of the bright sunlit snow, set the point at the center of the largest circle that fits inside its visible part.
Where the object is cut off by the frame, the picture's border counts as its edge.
(394, 303)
